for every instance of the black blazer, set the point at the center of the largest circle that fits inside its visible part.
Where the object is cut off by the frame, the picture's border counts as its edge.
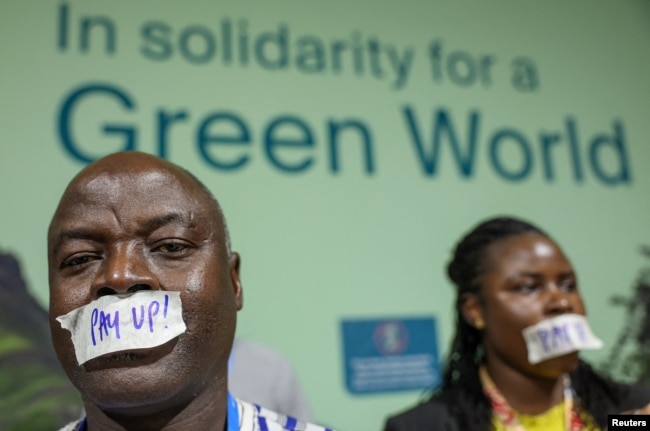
(434, 414)
(431, 415)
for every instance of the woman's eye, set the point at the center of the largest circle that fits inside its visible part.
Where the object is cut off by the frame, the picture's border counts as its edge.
(568, 285)
(526, 288)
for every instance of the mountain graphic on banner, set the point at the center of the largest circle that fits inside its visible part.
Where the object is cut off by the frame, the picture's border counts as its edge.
(35, 393)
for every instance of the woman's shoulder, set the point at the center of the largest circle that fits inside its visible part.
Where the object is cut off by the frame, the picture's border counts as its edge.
(636, 396)
(430, 415)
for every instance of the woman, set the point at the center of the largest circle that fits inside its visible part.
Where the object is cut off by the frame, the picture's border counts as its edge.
(509, 276)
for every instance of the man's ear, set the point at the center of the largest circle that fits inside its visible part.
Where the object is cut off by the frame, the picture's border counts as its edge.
(470, 307)
(234, 262)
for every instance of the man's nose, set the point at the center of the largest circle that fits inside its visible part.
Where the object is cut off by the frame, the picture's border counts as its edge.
(124, 270)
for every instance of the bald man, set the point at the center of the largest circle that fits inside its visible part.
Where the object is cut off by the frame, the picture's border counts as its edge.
(144, 292)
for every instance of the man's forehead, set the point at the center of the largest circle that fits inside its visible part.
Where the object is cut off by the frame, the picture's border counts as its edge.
(99, 182)
(128, 165)
(132, 171)
(136, 184)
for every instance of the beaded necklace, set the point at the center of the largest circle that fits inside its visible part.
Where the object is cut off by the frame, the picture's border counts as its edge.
(506, 415)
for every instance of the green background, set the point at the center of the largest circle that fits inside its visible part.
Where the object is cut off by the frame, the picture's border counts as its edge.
(319, 246)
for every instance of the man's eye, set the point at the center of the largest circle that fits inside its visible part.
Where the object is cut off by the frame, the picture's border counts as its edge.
(76, 261)
(171, 247)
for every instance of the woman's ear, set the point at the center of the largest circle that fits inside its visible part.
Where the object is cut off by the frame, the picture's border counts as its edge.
(472, 310)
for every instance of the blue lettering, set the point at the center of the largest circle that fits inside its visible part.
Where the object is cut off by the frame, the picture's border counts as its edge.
(224, 139)
(543, 337)
(461, 68)
(429, 162)
(239, 135)
(138, 324)
(65, 121)
(88, 23)
(515, 137)
(164, 121)
(364, 132)
(208, 42)
(93, 321)
(106, 323)
(63, 26)
(560, 336)
(616, 144)
(279, 40)
(575, 153)
(152, 313)
(114, 324)
(548, 141)
(310, 57)
(272, 143)
(158, 34)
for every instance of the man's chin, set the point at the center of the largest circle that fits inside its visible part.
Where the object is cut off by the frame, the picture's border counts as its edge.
(130, 358)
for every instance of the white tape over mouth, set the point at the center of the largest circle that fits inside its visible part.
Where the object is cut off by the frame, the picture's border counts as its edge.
(558, 336)
(115, 323)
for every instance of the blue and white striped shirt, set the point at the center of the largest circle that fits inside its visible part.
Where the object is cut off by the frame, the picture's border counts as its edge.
(243, 416)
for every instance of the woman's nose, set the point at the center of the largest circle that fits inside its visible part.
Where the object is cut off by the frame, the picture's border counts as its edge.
(558, 302)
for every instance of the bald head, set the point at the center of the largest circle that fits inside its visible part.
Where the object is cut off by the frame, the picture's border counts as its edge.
(107, 173)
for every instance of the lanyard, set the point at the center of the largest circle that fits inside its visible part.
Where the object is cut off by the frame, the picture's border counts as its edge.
(507, 417)
(233, 416)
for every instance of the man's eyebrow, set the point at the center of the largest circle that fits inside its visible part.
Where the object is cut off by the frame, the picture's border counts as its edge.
(148, 225)
(153, 223)
(75, 233)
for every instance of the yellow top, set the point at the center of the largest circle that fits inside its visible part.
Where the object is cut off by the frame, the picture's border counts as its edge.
(551, 420)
